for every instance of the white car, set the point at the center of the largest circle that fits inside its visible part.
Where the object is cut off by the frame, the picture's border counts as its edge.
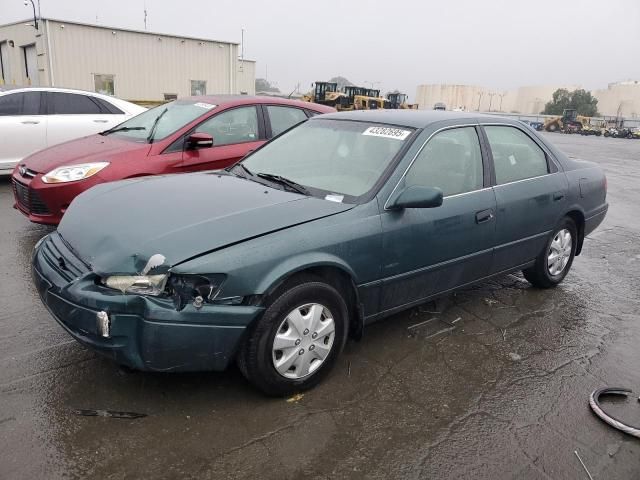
(35, 118)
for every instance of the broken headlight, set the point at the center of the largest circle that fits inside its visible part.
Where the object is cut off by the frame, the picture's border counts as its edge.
(196, 289)
(138, 284)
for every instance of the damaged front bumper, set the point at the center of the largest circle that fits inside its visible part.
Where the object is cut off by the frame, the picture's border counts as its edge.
(144, 333)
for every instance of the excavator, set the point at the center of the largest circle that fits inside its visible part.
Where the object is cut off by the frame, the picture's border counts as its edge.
(569, 122)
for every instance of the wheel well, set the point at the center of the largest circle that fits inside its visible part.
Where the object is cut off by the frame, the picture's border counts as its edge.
(338, 279)
(578, 218)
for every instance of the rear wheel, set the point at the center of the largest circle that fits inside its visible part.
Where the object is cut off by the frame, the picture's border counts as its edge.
(555, 260)
(297, 340)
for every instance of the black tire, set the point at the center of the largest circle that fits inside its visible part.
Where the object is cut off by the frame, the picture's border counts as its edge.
(255, 356)
(539, 275)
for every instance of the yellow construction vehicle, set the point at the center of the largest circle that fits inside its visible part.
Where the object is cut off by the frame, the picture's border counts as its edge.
(325, 93)
(351, 98)
(398, 101)
(569, 122)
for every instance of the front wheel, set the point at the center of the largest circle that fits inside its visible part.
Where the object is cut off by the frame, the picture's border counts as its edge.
(297, 340)
(555, 260)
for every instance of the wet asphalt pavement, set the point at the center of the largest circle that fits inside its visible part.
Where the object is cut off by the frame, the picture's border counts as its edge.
(493, 384)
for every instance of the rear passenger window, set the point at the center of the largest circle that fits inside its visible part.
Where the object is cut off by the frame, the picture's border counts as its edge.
(283, 118)
(107, 107)
(515, 155)
(71, 104)
(450, 161)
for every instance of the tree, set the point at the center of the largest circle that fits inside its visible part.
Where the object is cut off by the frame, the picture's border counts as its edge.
(263, 85)
(341, 81)
(580, 100)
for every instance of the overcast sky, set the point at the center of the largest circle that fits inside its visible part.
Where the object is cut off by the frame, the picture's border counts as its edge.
(402, 43)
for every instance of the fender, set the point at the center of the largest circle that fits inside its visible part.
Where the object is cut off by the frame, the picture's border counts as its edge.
(298, 263)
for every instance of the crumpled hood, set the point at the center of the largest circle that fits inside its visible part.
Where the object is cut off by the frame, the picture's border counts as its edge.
(94, 148)
(117, 227)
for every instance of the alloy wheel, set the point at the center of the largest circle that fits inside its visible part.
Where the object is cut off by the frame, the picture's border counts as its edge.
(559, 252)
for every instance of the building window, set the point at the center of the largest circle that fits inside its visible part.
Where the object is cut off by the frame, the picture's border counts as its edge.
(104, 84)
(168, 97)
(198, 87)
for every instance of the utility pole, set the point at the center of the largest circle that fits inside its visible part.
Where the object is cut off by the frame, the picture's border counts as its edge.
(480, 94)
(242, 52)
(145, 15)
(501, 95)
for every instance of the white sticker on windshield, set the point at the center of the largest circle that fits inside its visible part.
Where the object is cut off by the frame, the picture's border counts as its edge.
(208, 106)
(334, 198)
(387, 132)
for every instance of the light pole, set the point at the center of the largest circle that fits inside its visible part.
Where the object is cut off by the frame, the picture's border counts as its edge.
(35, 17)
(501, 95)
(480, 94)
(491, 95)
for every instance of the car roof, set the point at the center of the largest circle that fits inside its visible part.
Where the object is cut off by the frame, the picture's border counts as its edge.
(230, 100)
(51, 89)
(18, 89)
(414, 118)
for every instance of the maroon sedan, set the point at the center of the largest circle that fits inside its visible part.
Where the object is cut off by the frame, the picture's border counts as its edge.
(196, 133)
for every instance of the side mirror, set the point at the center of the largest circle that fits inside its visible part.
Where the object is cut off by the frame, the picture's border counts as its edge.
(199, 140)
(417, 197)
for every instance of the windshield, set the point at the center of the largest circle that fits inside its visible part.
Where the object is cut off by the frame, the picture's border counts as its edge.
(337, 160)
(167, 119)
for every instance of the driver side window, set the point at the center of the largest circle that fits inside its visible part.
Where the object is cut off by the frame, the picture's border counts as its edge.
(451, 161)
(237, 125)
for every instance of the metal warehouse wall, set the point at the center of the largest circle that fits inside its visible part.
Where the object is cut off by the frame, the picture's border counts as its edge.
(22, 35)
(145, 66)
(246, 82)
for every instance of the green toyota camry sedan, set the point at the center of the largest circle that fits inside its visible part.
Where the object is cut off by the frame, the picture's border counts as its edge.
(341, 221)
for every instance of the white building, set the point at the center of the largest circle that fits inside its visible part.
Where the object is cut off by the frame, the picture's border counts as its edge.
(134, 65)
(620, 99)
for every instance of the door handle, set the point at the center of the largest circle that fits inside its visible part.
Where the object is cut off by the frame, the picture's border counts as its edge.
(100, 121)
(30, 122)
(558, 196)
(484, 215)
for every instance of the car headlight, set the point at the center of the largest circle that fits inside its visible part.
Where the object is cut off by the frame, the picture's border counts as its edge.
(72, 173)
(138, 284)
